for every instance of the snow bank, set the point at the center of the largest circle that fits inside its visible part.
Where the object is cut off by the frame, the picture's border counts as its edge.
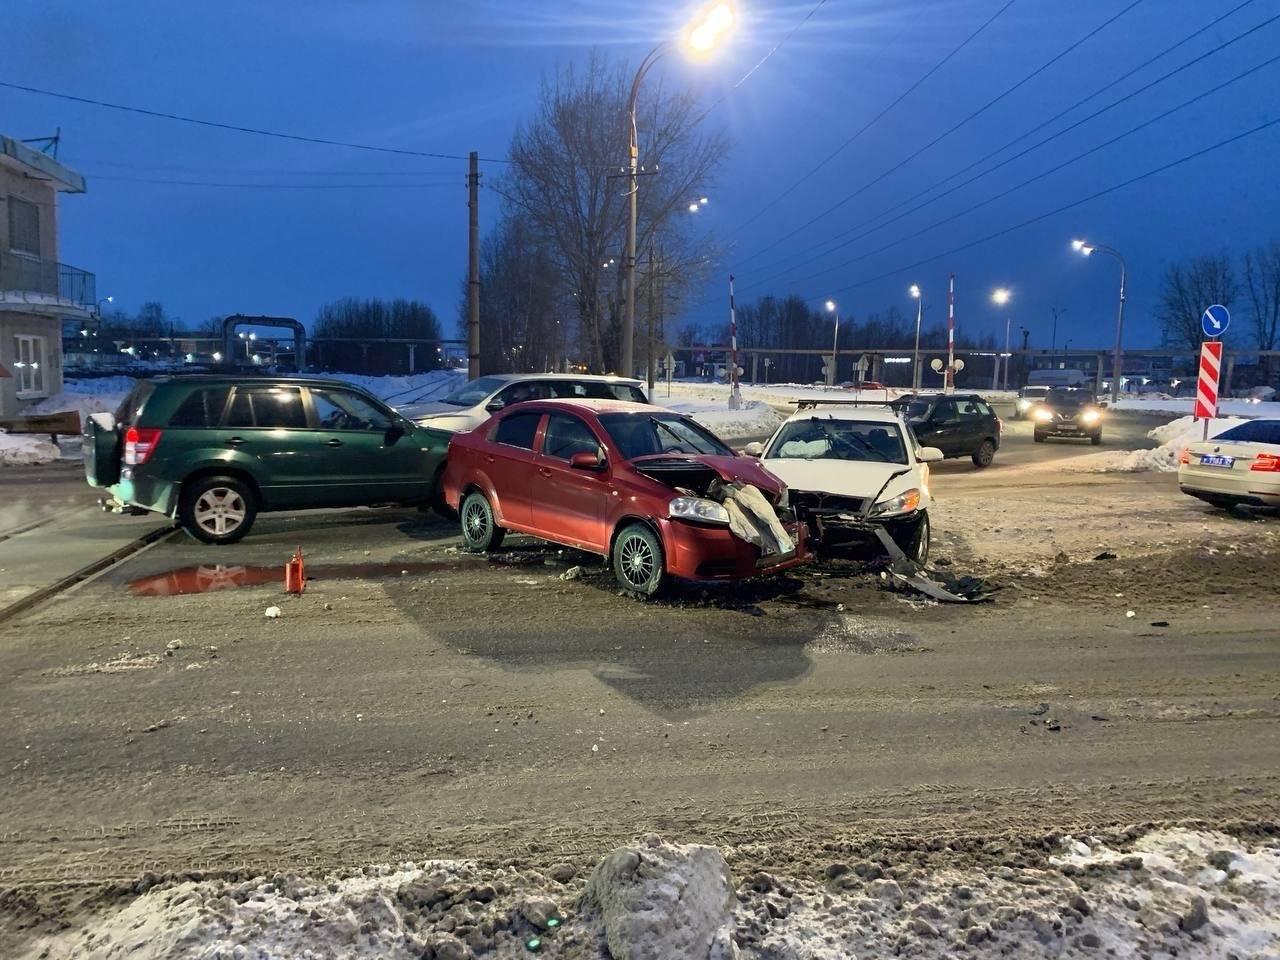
(754, 419)
(20, 449)
(1168, 893)
(1164, 404)
(419, 388)
(1172, 437)
(83, 402)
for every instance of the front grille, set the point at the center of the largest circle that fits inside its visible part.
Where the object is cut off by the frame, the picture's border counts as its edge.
(809, 502)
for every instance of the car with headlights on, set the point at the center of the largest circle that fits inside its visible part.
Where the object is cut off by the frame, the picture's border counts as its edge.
(653, 491)
(1068, 414)
(852, 467)
(1028, 397)
(1239, 467)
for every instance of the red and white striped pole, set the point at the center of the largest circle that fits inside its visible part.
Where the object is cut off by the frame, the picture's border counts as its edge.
(735, 397)
(950, 381)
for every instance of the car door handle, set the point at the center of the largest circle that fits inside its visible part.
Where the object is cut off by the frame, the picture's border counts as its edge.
(545, 472)
(490, 458)
(235, 441)
(335, 442)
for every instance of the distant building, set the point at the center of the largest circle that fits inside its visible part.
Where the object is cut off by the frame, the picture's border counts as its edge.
(37, 292)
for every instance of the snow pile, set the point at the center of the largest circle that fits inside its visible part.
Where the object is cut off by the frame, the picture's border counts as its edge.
(21, 449)
(660, 901)
(785, 394)
(754, 419)
(1168, 893)
(1175, 893)
(1236, 408)
(1173, 437)
(84, 402)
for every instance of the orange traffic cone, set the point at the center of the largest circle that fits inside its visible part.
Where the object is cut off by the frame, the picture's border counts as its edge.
(295, 574)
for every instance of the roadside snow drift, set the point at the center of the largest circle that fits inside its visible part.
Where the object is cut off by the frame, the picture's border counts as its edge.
(1172, 437)
(1169, 893)
(754, 419)
(21, 449)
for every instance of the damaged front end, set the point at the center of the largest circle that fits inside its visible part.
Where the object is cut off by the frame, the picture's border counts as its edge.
(729, 519)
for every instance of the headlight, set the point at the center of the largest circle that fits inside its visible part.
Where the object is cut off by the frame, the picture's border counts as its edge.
(1024, 406)
(1090, 416)
(1043, 415)
(905, 502)
(698, 508)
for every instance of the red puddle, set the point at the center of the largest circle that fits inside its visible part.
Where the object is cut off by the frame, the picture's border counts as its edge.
(220, 577)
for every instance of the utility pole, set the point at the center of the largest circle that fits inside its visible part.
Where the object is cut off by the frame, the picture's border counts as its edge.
(949, 381)
(652, 358)
(473, 267)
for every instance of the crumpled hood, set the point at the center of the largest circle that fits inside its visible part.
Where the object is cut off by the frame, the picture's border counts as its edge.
(728, 469)
(845, 478)
(416, 411)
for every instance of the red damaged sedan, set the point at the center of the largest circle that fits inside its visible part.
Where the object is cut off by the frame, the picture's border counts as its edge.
(651, 490)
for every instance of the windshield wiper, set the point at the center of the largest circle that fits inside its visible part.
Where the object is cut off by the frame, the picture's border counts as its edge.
(845, 440)
(678, 439)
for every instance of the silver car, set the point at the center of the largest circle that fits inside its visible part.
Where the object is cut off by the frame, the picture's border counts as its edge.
(472, 403)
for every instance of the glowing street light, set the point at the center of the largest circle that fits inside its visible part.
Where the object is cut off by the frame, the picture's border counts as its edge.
(704, 33)
(1086, 248)
(915, 292)
(833, 307)
(1001, 296)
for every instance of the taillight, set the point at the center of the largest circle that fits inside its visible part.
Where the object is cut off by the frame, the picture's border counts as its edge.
(1266, 463)
(1185, 455)
(139, 444)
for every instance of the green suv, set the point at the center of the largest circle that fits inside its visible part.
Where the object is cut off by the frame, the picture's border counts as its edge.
(214, 451)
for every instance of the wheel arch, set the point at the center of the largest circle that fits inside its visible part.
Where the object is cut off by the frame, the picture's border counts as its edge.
(221, 470)
(627, 520)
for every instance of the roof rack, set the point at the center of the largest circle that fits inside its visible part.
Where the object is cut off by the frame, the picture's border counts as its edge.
(814, 402)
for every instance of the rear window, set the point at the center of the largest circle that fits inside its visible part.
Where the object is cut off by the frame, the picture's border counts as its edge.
(1254, 431)
(267, 407)
(131, 408)
(202, 408)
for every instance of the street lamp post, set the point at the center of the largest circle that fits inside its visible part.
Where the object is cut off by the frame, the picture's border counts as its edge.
(915, 363)
(1088, 249)
(702, 36)
(833, 307)
(1001, 297)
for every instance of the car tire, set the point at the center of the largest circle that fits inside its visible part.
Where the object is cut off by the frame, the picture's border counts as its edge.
(1037, 437)
(985, 453)
(217, 510)
(638, 560)
(1096, 439)
(480, 530)
(913, 539)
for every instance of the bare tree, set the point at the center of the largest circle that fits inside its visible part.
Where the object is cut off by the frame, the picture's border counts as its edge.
(1262, 287)
(1189, 290)
(352, 323)
(564, 180)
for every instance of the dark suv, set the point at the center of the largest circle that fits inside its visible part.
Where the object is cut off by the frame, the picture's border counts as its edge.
(960, 425)
(214, 451)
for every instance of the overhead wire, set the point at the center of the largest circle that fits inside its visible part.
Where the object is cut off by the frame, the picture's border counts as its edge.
(816, 250)
(275, 186)
(878, 117)
(949, 131)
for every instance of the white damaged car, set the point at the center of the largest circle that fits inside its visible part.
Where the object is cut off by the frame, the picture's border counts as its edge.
(852, 467)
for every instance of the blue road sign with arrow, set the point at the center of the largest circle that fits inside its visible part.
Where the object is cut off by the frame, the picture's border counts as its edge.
(1215, 321)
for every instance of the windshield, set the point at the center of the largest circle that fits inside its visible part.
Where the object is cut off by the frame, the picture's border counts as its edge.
(644, 434)
(1035, 393)
(824, 438)
(1068, 398)
(1253, 431)
(469, 394)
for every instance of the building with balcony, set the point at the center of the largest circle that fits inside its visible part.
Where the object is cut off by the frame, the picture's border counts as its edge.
(38, 293)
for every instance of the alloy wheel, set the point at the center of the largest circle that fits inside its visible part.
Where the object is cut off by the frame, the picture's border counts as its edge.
(220, 511)
(637, 560)
(476, 521)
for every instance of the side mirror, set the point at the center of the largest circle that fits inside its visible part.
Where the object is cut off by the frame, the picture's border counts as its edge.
(493, 406)
(930, 455)
(582, 460)
(753, 449)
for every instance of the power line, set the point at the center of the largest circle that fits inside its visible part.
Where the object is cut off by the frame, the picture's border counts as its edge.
(877, 118)
(272, 171)
(805, 19)
(938, 139)
(238, 128)
(1011, 159)
(1062, 209)
(1040, 176)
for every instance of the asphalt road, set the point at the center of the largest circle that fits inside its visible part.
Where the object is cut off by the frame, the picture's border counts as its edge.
(419, 702)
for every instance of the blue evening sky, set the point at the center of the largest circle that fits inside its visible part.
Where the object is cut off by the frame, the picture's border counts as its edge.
(453, 77)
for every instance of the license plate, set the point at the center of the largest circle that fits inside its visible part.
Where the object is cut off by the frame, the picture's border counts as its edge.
(1212, 460)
